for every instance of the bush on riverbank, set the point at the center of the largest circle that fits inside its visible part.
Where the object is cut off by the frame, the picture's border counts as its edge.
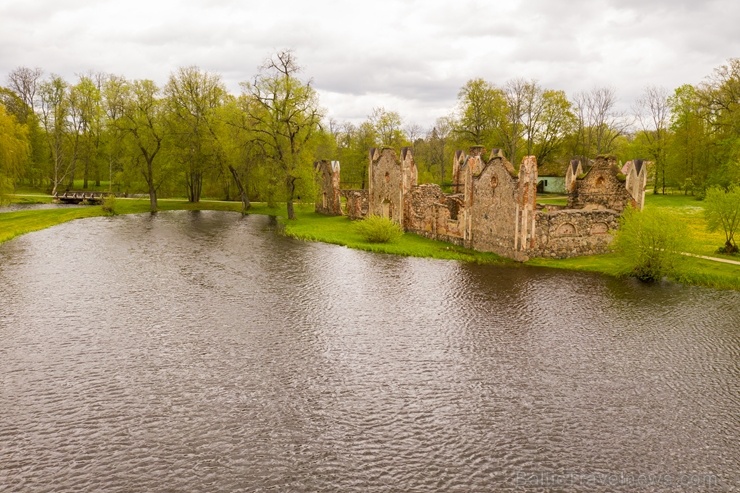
(650, 243)
(377, 229)
(109, 205)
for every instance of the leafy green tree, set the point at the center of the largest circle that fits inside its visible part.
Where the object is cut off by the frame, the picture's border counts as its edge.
(387, 125)
(722, 211)
(689, 146)
(720, 98)
(14, 148)
(86, 115)
(193, 98)
(55, 112)
(142, 118)
(353, 145)
(480, 113)
(650, 243)
(286, 118)
(550, 130)
(114, 94)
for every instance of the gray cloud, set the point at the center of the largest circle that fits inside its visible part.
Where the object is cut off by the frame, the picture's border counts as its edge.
(409, 56)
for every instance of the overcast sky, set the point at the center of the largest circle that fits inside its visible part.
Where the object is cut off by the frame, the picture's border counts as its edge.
(406, 56)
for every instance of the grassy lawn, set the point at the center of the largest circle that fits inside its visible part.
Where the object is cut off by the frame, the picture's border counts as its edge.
(691, 212)
(339, 230)
(552, 199)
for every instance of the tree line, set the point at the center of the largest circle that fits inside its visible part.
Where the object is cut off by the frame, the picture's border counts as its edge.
(192, 137)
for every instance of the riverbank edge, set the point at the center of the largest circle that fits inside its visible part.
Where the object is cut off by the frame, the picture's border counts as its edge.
(338, 230)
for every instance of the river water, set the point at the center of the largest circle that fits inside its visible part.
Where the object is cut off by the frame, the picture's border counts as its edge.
(201, 351)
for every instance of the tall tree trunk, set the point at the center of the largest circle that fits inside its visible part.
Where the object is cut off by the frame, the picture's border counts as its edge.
(152, 189)
(242, 190)
(290, 182)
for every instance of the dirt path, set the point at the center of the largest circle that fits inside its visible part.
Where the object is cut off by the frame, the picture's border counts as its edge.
(714, 259)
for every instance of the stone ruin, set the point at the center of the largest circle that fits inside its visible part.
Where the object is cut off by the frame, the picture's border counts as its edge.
(493, 207)
(329, 200)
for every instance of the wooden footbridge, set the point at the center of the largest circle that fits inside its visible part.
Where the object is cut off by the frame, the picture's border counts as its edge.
(90, 198)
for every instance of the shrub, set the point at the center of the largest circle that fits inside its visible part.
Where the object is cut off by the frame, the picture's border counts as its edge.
(377, 229)
(650, 243)
(109, 205)
(722, 211)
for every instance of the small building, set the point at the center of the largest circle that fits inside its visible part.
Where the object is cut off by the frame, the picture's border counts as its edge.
(551, 178)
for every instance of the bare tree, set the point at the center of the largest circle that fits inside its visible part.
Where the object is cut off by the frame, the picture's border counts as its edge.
(598, 123)
(25, 82)
(653, 112)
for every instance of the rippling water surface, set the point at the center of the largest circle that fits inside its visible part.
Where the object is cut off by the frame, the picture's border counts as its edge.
(202, 352)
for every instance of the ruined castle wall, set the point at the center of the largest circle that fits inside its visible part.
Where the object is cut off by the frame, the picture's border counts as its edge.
(490, 198)
(328, 200)
(433, 214)
(357, 203)
(601, 188)
(389, 179)
(574, 232)
(636, 173)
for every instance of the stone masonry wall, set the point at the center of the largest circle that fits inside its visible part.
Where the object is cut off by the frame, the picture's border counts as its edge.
(490, 201)
(574, 232)
(601, 188)
(390, 178)
(434, 214)
(497, 210)
(328, 200)
(357, 203)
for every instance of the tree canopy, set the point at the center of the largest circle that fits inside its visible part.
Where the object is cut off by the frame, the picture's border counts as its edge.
(191, 137)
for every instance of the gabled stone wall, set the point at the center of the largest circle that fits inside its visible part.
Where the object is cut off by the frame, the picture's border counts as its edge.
(495, 205)
(328, 200)
(636, 180)
(601, 188)
(389, 179)
(574, 170)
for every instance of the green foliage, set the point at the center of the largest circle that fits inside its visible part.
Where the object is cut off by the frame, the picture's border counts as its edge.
(286, 119)
(377, 229)
(13, 150)
(650, 243)
(722, 211)
(109, 205)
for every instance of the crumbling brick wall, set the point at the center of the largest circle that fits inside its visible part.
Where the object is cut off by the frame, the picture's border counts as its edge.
(328, 200)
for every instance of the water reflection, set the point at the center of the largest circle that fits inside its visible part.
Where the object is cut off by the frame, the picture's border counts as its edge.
(199, 351)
